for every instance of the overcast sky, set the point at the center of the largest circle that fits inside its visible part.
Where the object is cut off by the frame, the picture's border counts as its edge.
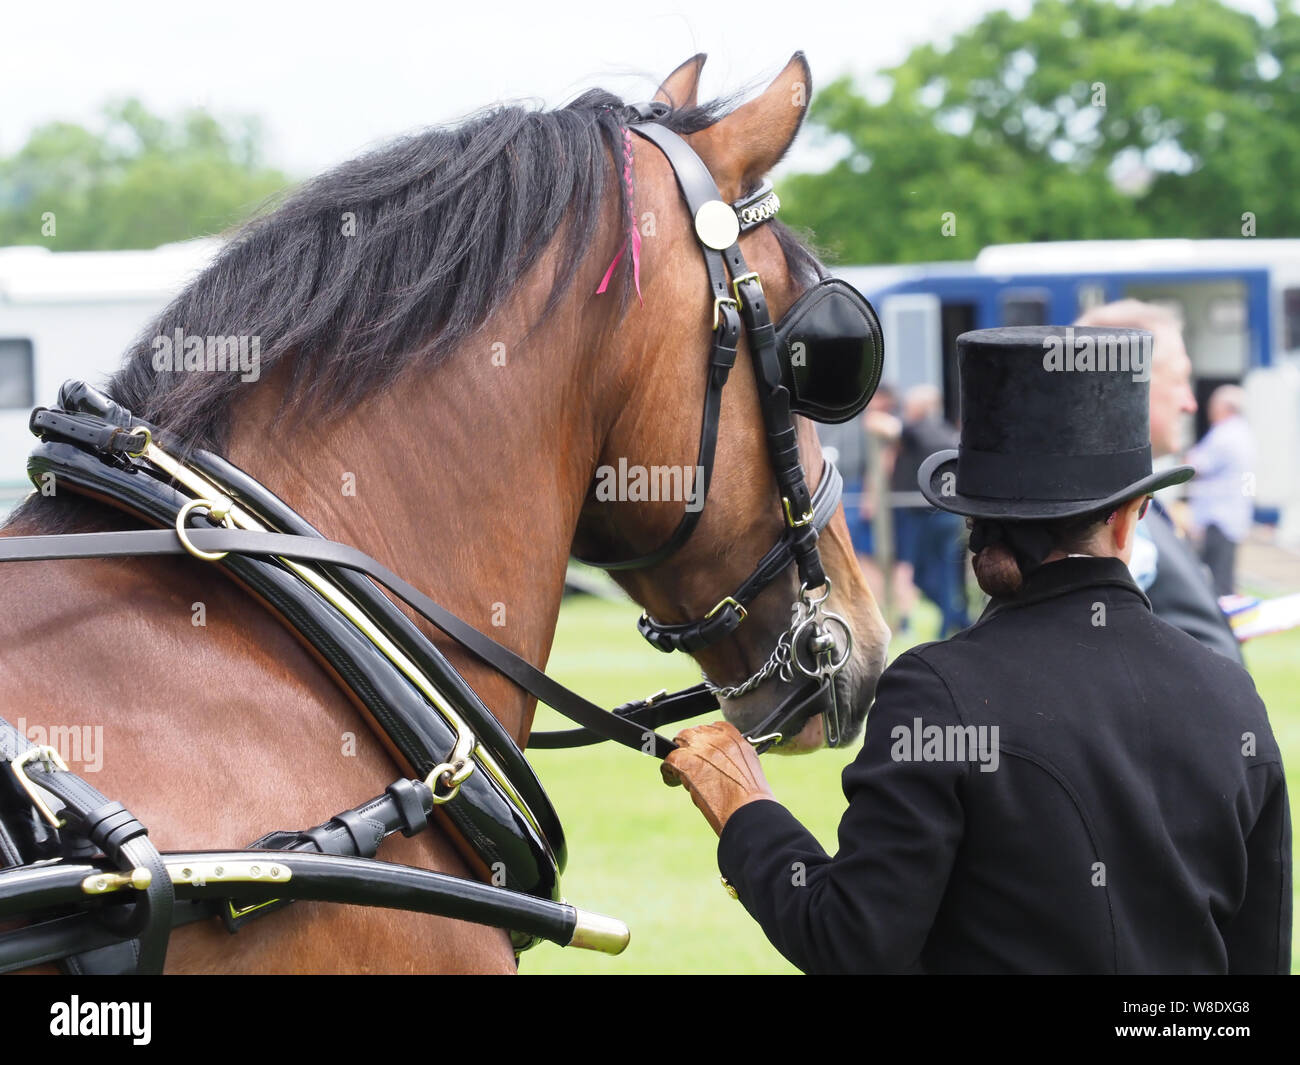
(331, 78)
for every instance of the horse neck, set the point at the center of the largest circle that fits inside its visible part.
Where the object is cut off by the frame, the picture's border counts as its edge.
(466, 479)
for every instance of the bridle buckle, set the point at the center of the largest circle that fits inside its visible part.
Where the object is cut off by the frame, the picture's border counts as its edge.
(728, 601)
(717, 306)
(49, 756)
(751, 276)
(796, 523)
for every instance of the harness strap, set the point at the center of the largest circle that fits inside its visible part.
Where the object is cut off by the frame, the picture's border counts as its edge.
(650, 713)
(80, 398)
(87, 431)
(817, 698)
(723, 620)
(147, 542)
(782, 440)
(10, 855)
(487, 822)
(260, 501)
(722, 357)
(698, 188)
(110, 827)
(405, 807)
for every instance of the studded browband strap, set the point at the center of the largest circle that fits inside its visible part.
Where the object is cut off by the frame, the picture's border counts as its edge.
(756, 208)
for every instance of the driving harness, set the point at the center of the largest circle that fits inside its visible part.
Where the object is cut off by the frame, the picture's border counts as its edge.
(101, 898)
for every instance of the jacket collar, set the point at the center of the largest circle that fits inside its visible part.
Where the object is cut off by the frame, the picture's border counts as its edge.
(1053, 579)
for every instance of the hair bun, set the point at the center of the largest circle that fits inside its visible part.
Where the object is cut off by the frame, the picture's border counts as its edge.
(997, 571)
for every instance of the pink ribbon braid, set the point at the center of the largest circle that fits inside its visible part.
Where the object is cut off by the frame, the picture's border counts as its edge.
(636, 233)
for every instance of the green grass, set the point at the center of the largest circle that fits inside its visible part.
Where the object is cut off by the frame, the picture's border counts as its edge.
(1274, 662)
(641, 851)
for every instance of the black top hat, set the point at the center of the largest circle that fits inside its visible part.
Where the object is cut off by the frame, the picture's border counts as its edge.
(1054, 424)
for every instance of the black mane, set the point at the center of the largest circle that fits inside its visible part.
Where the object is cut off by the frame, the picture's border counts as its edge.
(446, 222)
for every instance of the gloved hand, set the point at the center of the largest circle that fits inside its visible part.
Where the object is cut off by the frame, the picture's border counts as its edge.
(719, 768)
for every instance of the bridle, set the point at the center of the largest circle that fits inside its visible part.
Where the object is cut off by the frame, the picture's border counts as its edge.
(64, 846)
(718, 227)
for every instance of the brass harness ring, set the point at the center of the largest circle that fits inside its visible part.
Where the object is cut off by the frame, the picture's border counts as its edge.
(456, 773)
(196, 504)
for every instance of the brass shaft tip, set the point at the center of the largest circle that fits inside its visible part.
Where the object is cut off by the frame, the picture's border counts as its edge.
(595, 931)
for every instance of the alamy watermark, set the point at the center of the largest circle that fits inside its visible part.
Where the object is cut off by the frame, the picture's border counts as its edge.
(919, 742)
(77, 1018)
(651, 484)
(1112, 352)
(179, 353)
(80, 746)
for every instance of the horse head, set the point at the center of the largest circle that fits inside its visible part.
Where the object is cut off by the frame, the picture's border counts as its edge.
(659, 350)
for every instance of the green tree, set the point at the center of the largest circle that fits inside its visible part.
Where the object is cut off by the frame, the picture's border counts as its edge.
(1083, 120)
(136, 181)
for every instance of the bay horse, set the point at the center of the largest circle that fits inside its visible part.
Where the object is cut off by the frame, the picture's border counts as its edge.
(439, 382)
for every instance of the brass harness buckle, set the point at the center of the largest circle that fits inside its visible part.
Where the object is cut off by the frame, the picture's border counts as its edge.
(751, 276)
(50, 757)
(791, 520)
(717, 305)
(728, 601)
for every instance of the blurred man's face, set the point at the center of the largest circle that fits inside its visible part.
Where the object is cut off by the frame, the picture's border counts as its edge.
(1171, 394)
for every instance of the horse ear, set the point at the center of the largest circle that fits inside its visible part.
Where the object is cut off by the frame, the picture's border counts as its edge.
(681, 87)
(744, 145)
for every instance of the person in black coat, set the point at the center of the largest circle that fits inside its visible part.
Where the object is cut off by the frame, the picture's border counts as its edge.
(1174, 578)
(1071, 785)
(1181, 592)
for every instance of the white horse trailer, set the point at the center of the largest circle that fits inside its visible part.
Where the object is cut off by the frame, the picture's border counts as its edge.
(73, 315)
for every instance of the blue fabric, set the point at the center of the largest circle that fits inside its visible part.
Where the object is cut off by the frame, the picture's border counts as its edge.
(907, 533)
(931, 540)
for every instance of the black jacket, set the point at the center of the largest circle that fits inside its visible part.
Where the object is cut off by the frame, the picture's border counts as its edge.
(1182, 593)
(1133, 817)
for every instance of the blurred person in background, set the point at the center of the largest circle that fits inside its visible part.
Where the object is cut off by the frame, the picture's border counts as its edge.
(852, 448)
(928, 541)
(880, 428)
(1222, 494)
(1164, 565)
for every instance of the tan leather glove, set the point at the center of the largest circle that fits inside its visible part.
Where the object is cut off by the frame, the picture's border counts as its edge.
(719, 768)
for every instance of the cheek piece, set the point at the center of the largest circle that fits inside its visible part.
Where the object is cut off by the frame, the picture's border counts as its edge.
(822, 360)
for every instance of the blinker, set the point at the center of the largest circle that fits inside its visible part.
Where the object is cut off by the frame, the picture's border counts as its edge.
(831, 351)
